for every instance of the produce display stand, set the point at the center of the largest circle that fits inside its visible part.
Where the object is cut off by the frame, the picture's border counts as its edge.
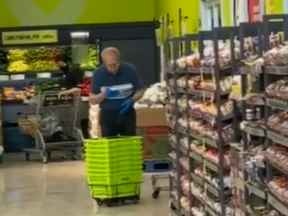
(54, 126)
(248, 175)
(28, 67)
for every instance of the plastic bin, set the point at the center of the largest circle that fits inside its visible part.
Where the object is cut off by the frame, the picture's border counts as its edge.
(14, 141)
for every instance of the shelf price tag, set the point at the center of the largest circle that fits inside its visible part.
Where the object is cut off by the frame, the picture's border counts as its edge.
(17, 77)
(88, 73)
(4, 77)
(44, 75)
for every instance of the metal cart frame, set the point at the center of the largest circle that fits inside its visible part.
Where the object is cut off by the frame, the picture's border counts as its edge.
(60, 111)
(158, 188)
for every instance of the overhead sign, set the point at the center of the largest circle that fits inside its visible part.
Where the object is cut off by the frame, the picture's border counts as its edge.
(29, 37)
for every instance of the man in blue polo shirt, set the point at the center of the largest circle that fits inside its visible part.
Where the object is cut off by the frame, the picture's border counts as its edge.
(116, 86)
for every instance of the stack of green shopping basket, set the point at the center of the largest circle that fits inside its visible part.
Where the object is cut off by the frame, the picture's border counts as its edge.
(114, 167)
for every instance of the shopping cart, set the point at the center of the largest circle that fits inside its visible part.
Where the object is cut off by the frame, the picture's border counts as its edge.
(157, 188)
(52, 122)
(114, 169)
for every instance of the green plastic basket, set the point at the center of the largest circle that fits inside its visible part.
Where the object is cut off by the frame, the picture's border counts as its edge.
(115, 153)
(116, 191)
(116, 144)
(119, 159)
(114, 178)
(125, 166)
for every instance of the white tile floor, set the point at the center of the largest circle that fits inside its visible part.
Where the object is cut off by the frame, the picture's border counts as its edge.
(59, 189)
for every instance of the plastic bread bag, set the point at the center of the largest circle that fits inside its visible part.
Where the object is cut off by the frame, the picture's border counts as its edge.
(193, 60)
(209, 57)
(181, 62)
(181, 82)
(270, 55)
(281, 56)
(194, 82)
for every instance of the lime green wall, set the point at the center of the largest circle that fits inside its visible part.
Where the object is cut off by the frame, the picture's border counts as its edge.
(15, 13)
(190, 8)
(226, 10)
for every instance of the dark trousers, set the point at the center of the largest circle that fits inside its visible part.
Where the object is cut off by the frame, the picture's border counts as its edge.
(112, 123)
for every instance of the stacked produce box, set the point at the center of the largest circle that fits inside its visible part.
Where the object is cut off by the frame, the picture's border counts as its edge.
(152, 126)
(230, 162)
(114, 169)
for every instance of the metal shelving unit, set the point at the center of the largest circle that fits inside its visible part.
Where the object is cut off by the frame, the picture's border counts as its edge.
(251, 136)
(215, 187)
(275, 107)
(250, 176)
(258, 173)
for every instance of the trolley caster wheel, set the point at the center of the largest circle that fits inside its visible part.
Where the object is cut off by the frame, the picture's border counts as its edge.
(171, 205)
(110, 203)
(44, 158)
(136, 199)
(155, 194)
(27, 157)
(99, 203)
(75, 158)
(49, 155)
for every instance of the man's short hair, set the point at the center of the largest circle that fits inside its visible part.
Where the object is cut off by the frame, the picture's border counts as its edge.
(111, 51)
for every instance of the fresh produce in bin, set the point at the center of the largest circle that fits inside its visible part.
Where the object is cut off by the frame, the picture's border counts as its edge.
(47, 85)
(93, 59)
(86, 87)
(18, 66)
(17, 55)
(42, 65)
(10, 93)
(43, 53)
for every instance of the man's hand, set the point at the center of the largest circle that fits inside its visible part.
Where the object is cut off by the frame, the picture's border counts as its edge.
(126, 106)
(70, 91)
(111, 93)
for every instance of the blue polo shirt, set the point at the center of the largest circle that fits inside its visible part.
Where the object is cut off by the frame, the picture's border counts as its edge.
(126, 81)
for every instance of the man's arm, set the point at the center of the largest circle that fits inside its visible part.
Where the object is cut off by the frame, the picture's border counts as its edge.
(138, 87)
(96, 96)
(77, 75)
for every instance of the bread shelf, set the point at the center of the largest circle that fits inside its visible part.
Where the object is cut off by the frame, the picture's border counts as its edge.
(234, 144)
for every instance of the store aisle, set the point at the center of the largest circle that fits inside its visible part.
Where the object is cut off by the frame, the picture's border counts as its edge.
(59, 189)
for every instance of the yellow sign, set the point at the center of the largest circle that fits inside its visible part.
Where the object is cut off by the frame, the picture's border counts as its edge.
(274, 7)
(29, 37)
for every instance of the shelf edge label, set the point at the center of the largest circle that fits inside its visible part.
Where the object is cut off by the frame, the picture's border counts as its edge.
(29, 37)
